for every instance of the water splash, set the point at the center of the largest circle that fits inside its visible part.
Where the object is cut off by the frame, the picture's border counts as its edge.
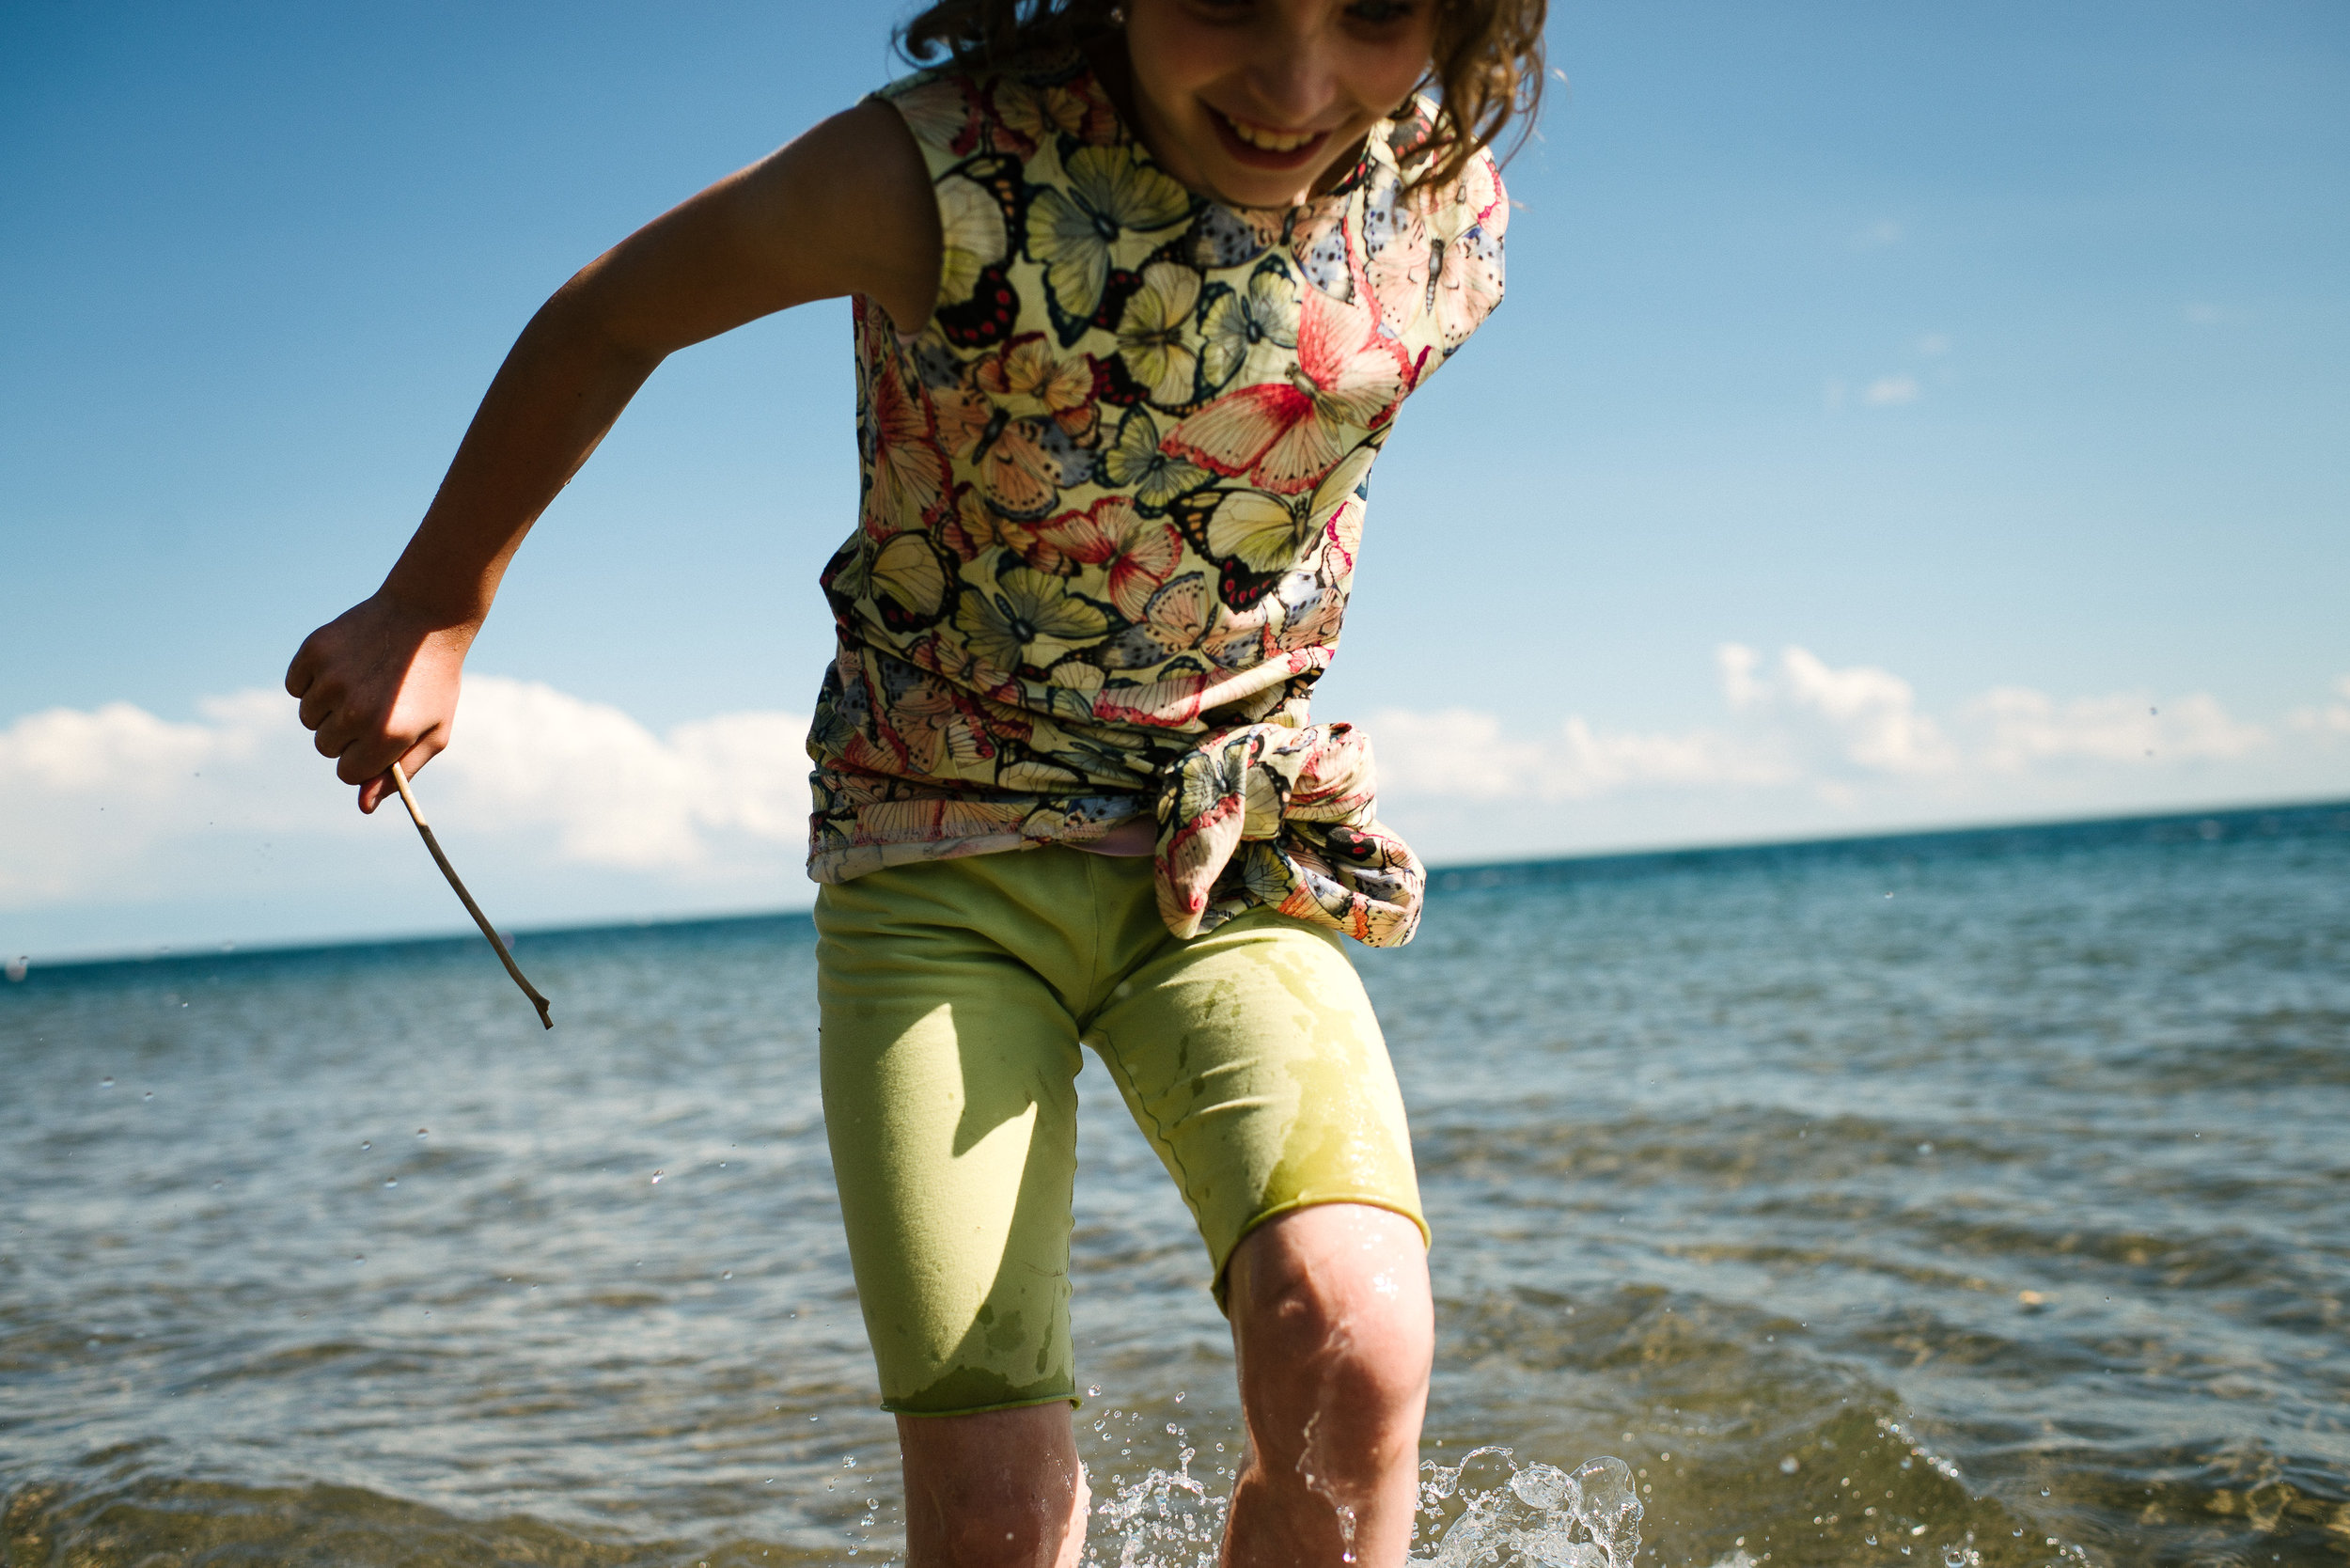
(1162, 1519)
(1502, 1515)
(1540, 1516)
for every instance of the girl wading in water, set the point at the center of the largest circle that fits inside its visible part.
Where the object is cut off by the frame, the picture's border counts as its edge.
(1137, 294)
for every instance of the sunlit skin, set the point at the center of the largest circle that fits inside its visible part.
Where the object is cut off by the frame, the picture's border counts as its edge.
(1256, 103)
(1259, 102)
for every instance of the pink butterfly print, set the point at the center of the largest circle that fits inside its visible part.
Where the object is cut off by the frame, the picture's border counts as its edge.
(1135, 553)
(1286, 436)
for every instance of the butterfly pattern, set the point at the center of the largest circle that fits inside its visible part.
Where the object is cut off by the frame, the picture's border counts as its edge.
(1112, 495)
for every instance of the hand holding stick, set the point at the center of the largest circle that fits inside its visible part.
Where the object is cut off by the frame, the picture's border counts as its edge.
(415, 814)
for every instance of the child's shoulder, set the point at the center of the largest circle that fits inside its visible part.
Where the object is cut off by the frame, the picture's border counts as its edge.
(1473, 197)
(959, 110)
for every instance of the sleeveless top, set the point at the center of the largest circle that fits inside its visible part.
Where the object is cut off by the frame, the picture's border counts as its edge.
(1112, 495)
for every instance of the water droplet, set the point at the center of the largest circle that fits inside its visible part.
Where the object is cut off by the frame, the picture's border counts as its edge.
(1925, 1149)
(1179, 1396)
(105, 1083)
(1790, 1464)
(367, 1143)
(727, 1274)
(420, 1132)
(148, 1095)
(656, 1178)
(393, 1182)
(1093, 1390)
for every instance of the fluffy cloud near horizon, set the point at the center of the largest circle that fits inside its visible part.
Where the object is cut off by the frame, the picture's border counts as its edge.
(563, 809)
(1801, 726)
(101, 803)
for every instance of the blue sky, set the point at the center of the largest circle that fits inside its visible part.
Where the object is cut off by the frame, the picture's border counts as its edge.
(1899, 414)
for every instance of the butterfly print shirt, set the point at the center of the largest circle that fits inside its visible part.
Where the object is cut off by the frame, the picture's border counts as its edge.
(1112, 493)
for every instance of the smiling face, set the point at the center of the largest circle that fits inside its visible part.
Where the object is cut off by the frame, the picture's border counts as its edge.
(1257, 101)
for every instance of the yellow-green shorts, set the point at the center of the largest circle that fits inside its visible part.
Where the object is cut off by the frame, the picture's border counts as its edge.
(955, 995)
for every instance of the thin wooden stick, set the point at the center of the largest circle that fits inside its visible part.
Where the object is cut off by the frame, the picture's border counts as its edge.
(415, 814)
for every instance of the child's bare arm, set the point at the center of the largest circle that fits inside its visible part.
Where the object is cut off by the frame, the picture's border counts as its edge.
(846, 208)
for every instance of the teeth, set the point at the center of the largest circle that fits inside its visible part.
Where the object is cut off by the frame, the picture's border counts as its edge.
(1271, 141)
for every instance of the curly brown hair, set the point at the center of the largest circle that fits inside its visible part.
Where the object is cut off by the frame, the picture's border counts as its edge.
(1486, 67)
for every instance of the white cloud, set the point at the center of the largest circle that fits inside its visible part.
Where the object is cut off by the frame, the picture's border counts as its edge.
(1850, 736)
(615, 794)
(1462, 754)
(1934, 344)
(1891, 391)
(2329, 720)
(1875, 236)
(117, 804)
(2021, 727)
(1862, 716)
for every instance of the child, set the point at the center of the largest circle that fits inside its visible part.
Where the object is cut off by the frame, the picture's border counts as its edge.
(1137, 292)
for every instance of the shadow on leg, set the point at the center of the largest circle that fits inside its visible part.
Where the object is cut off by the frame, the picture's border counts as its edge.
(1335, 1330)
(999, 1490)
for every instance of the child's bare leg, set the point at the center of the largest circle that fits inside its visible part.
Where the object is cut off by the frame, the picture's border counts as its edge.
(1332, 1318)
(999, 1490)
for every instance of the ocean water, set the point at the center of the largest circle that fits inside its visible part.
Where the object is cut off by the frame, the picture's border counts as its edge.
(1962, 1199)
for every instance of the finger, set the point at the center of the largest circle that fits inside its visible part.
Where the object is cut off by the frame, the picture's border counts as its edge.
(303, 669)
(373, 752)
(376, 791)
(318, 700)
(364, 757)
(338, 730)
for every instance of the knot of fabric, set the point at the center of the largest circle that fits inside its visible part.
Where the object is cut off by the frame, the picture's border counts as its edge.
(1267, 815)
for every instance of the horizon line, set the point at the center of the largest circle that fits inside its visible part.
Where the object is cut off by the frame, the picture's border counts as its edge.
(1475, 872)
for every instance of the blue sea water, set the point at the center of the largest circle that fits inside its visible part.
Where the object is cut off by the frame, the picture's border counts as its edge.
(1950, 1198)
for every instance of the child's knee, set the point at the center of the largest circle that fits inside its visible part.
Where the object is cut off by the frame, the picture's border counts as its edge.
(1334, 1310)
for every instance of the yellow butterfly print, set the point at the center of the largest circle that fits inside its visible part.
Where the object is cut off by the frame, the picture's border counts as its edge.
(1005, 623)
(1024, 464)
(1263, 315)
(938, 734)
(1134, 464)
(1154, 332)
(1116, 210)
(1271, 533)
(1030, 112)
(970, 527)
(972, 233)
(1027, 378)
(904, 570)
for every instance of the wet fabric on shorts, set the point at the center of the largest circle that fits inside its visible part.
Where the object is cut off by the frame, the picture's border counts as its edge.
(955, 996)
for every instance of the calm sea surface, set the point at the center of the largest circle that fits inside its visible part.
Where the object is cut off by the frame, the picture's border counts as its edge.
(1881, 1203)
